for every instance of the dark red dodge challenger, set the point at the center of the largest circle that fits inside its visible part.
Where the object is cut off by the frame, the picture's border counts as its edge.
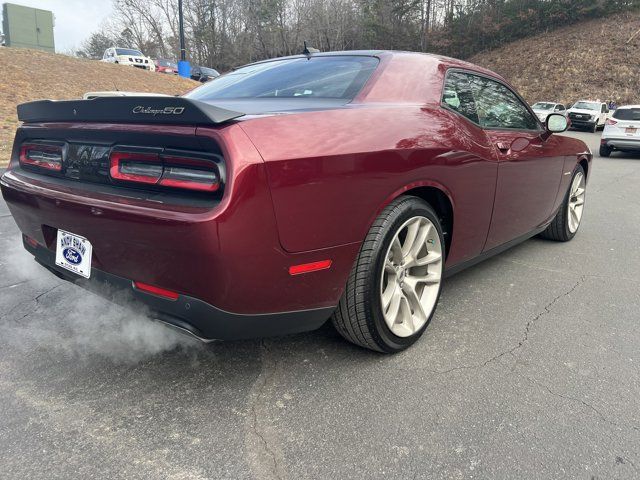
(287, 192)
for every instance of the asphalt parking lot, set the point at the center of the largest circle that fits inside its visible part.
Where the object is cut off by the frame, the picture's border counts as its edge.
(530, 369)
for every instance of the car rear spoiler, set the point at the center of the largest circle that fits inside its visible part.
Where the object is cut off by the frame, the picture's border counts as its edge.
(156, 110)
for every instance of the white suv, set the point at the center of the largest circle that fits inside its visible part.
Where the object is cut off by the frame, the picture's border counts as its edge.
(128, 56)
(622, 131)
(588, 114)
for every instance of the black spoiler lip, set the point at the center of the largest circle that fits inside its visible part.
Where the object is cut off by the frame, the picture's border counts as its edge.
(154, 110)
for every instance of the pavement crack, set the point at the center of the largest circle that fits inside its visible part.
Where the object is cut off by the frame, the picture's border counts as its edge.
(266, 463)
(527, 329)
(37, 298)
(585, 404)
(542, 313)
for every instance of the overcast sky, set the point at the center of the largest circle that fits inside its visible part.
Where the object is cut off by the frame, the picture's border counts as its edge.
(75, 20)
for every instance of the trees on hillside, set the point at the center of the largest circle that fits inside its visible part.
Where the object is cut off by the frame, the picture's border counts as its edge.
(227, 33)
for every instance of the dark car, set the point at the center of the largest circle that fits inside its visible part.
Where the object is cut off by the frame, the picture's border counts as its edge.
(203, 74)
(333, 185)
(166, 66)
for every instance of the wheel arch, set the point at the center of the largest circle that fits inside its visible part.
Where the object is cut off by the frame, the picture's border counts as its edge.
(585, 165)
(438, 197)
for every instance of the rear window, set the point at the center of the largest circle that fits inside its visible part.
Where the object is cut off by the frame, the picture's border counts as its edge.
(340, 77)
(627, 114)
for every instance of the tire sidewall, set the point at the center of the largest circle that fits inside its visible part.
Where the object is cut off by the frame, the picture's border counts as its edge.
(388, 340)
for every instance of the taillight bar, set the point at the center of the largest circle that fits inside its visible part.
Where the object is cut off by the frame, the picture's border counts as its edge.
(165, 170)
(40, 155)
(610, 121)
(189, 173)
(135, 167)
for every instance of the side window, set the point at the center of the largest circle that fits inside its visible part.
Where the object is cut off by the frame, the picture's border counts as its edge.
(457, 95)
(561, 108)
(498, 107)
(604, 108)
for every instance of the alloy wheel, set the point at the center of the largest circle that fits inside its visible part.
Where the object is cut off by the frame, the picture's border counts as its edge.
(576, 202)
(411, 276)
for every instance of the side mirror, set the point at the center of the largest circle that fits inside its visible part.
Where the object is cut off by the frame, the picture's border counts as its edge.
(556, 123)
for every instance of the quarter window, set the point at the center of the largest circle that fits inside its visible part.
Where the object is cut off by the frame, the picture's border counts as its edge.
(457, 95)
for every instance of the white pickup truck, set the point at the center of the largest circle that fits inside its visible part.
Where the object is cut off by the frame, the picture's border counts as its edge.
(588, 114)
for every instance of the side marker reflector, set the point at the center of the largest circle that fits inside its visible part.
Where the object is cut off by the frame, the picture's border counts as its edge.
(309, 267)
(160, 292)
(31, 241)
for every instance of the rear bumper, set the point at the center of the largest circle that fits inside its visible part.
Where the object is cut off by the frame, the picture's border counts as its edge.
(621, 143)
(196, 316)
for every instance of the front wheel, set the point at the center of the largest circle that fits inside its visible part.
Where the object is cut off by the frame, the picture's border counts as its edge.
(567, 221)
(394, 285)
(594, 128)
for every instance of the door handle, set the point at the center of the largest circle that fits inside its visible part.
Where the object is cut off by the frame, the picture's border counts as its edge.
(503, 147)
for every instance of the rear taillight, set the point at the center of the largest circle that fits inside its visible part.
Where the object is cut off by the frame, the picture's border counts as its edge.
(135, 167)
(610, 121)
(48, 157)
(171, 171)
(189, 173)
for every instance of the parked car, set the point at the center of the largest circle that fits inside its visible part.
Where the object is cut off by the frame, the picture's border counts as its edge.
(166, 66)
(329, 185)
(622, 131)
(128, 56)
(543, 109)
(588, 114)
(203, 74)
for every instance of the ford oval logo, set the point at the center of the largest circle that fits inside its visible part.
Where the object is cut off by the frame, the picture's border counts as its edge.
(72, 255)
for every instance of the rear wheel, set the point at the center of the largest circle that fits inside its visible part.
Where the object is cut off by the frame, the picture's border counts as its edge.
(605, 151)
(567, 221)
(394, 285)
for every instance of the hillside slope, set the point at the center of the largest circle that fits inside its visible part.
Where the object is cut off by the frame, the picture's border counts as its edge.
(588, 60)
(33, 75)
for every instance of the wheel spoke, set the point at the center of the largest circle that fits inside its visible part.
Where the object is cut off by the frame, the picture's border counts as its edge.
(391, 315)
(428, 259)
(407, 317)
(412, 231)
(574, 216)
(387, 295)
(414, 300)
(396, 250)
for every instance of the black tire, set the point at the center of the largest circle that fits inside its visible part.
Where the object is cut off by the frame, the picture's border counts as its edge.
(558, 229)
(594, 128)
(359, 317)
(605, 151)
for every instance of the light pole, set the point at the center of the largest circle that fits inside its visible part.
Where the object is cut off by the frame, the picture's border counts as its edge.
(184, 69)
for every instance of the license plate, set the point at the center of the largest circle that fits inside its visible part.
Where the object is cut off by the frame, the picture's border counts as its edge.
(631, 130)
(73, 252)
